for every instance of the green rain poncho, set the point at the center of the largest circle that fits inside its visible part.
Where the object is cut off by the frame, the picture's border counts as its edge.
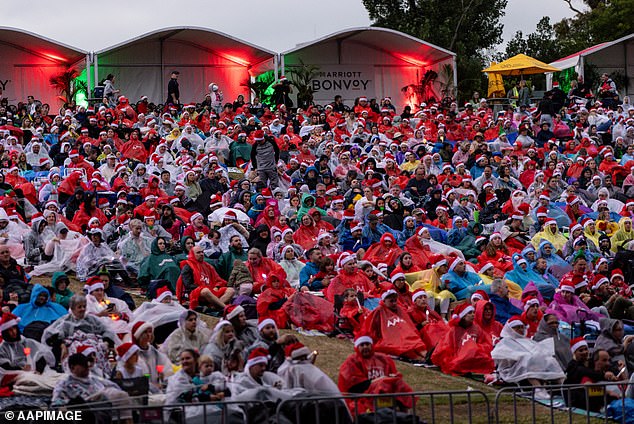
(158, 266)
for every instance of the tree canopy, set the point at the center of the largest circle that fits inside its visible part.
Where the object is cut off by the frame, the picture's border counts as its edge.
(466, 27)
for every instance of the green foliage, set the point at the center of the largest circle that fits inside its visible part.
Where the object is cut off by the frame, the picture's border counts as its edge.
(466, 27)
(302, 76)
(262, 86)
(68, 85)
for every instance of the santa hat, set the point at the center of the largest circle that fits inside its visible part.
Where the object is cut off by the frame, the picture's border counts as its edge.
(348, 214)
(551, 221)
(215, 200)
(8, 321)
(362, 339)
(73, 154)
(86, 350)
(462, 310)
(440, 263)
(480, 239)
(454, 262)
(126, 350)
(162, 293)
(397, 276)
(418, 293)
(259, 355)
(388, 293)
(345, 258)
(530, 301)
(258, 135)
(567, 288)
(542, 212)
(195, 216)
(599, 281)
(265, 322)
(480, 295)
(616, 273)
(233, 311)
(490, 198)
(93, 283)
(139, 328)
(587, 222)
(577, 343)
(355, 226)
(487, 184)
(296, 350)
(515, 321)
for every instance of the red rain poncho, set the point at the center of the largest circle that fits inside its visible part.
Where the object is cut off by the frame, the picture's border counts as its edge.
(394, 332)
(380, 371)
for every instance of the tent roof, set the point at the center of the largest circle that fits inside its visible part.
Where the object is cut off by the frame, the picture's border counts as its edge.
(40, 46)
(573, 59)
(215, 42)
(402, 46)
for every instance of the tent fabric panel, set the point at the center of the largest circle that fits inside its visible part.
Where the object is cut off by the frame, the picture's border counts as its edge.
(135, 81)
(178, 52)
(58, 52)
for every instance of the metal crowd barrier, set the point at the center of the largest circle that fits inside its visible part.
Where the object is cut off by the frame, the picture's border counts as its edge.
(569, 403)
(223, 412)
(469, 406)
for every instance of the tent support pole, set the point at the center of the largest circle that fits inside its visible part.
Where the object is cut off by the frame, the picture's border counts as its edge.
(275, 65)
(455, 75)
(282, 65)
(162, 66)
(627, 80)
(88, 79)
(95, 62)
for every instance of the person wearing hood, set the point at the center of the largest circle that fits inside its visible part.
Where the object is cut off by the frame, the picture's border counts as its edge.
(188, 335)
(39, 308)
(522, 274)
(159, 265)
(385, 251)
(549, 328)
(465, 348)
(518, 358)
(239, 151)
(459, 281)
(468, 243)
(260, 238)
(60, 283)
(554, 263)
(623, 235)
(394, 214)
(34, 243)
(308, 203)
(550, 232)
(485, 318)
(611, 340)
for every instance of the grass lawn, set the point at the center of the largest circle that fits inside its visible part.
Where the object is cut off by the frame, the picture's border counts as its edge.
(332, 353)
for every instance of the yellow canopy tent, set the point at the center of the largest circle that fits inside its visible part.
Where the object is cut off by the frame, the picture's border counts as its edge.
(496, 86)
(520, 65)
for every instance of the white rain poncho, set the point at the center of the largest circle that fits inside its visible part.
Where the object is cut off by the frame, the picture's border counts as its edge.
(181, 339)
(518, 358)
(303, 374)
(92, 257)
(116, 324)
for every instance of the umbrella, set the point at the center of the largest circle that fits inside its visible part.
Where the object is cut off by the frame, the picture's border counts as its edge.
(218, 214)
(496, 86)
(11, 128)
(521, 65)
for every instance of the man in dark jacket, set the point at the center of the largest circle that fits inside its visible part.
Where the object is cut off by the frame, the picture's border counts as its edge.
(264, 157)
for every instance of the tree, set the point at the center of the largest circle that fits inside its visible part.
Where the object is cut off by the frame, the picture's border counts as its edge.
(466, 27)
(67, 84)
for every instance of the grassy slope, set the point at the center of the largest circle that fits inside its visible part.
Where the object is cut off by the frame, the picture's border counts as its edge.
(332, 352)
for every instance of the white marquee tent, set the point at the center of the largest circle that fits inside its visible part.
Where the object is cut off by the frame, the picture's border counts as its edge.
(142, 65)
(28, 61)
(608, 57)
(374, 61)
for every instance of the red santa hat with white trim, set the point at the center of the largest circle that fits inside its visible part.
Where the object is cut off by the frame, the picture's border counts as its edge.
(93, 283)
(139, 328)
(162, 293)
(8, 321)
(232, 311)
(259, 355)
(577, 343)
(126, 350)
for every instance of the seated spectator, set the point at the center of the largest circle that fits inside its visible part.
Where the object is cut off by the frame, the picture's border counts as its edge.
(17, 353)
(370, 372)
(82, 387)
(39, 310)
(504, 309)
(270, 303)
(222, 345)
(60, 283)
(244, 330)
(269, 339)
(158, 265)
(261, 267)
(395, 333)
(200, 284)
(255, 375)
(518, 358)
(188, 335)
(299, 371)
(549, 328)
(465, 348)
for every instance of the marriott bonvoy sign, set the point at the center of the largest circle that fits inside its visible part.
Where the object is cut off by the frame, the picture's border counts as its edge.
(348, 81)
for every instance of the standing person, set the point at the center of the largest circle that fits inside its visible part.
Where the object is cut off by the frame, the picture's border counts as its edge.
(216, 98)
(109, 92)
(173, 93)
(265, 155)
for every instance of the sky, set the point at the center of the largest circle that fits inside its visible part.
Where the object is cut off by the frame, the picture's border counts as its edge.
(92, 25)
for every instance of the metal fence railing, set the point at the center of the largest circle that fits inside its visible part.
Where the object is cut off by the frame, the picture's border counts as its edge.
(469, 406)
(571, 403)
